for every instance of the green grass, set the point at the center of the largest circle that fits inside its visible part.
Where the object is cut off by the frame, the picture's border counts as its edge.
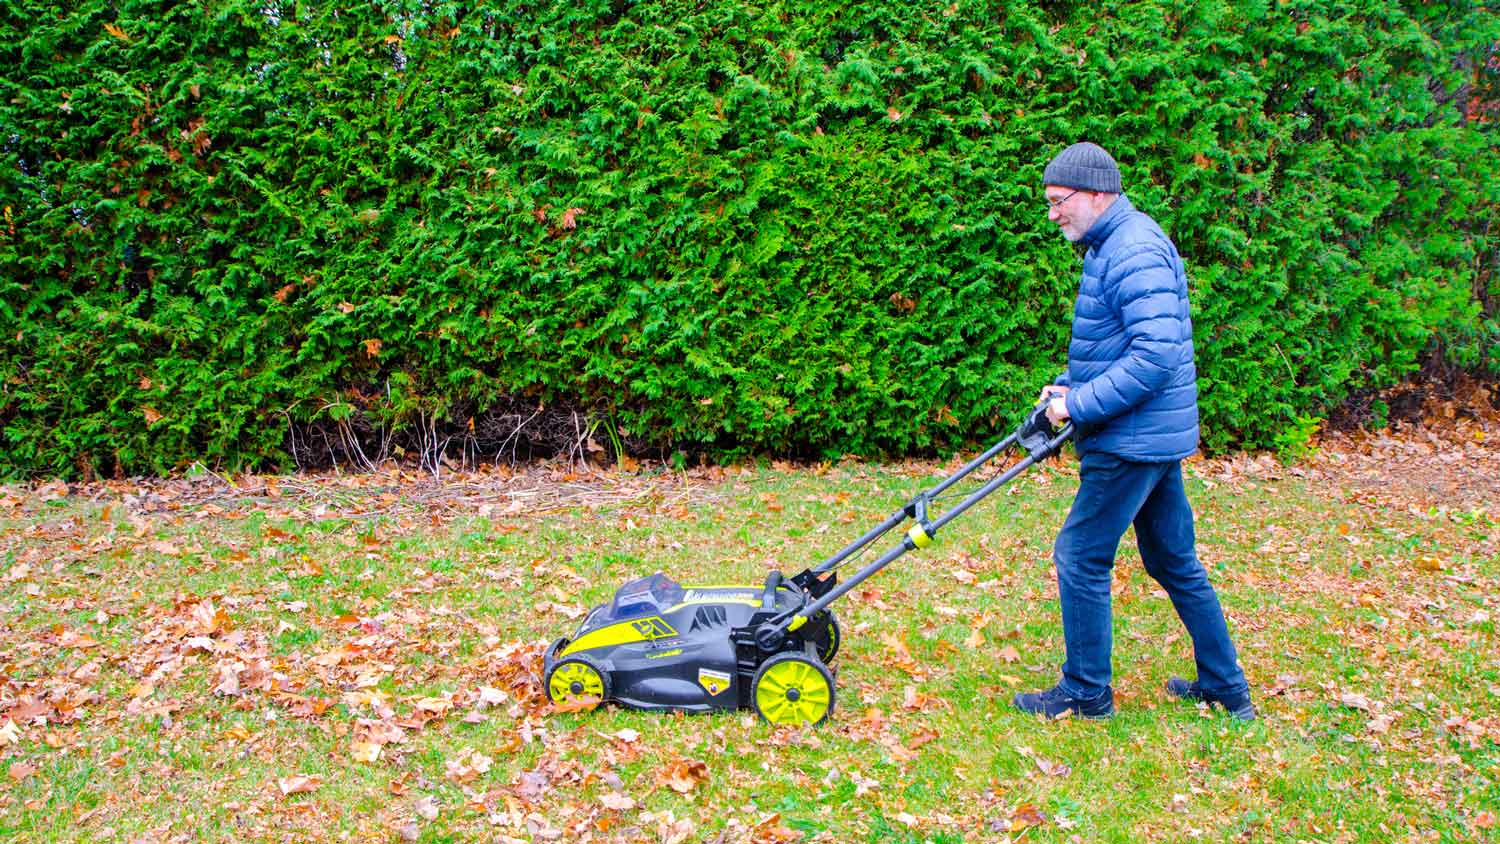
(1330, 597)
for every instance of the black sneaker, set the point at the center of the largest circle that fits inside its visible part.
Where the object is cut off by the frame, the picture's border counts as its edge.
(1238, 705)
(1055, 703)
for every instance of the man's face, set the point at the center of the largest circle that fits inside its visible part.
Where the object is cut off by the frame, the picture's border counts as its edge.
(1075, 211)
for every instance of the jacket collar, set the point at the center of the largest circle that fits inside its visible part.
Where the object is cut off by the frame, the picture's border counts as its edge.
(1108, 222)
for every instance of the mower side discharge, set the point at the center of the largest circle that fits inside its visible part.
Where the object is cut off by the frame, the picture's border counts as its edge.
(661, 646)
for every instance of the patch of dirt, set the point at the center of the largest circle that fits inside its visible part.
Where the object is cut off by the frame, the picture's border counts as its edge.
(1436, 390)
(491, 492)
(1441, 449)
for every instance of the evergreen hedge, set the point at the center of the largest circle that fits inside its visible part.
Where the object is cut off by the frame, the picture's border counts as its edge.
(786, 227)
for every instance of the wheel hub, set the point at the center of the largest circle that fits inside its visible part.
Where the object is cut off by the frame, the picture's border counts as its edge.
(793, 694)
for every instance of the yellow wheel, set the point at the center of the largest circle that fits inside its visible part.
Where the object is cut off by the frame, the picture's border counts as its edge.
(793, 689)
(577, 682)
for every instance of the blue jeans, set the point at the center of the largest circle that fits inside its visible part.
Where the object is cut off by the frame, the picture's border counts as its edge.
(1114, 493)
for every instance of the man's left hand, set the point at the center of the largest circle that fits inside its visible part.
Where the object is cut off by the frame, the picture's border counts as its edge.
(1057, 410)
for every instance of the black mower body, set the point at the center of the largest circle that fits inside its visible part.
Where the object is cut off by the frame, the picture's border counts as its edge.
(661, 646)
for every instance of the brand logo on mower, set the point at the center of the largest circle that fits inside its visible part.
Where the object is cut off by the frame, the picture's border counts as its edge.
(653, 628)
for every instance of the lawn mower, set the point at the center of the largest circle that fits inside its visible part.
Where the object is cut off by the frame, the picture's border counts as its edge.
(665, 647)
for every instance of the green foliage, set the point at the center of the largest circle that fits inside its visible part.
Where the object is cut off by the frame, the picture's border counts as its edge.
(1295, 441)
(791, 227)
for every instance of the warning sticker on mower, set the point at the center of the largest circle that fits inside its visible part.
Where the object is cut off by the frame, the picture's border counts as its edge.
(713, 682)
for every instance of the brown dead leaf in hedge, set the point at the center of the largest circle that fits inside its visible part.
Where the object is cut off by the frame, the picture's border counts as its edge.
(682, 775)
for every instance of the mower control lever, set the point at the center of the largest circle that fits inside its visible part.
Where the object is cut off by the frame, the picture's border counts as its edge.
(768, 598)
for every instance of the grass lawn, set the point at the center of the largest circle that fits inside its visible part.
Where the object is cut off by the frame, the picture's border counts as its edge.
(357, 658)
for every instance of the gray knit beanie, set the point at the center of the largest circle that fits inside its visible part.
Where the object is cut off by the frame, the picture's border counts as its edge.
(1086, 166)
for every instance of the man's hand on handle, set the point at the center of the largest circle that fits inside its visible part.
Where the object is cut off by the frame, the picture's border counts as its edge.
(1057, 408)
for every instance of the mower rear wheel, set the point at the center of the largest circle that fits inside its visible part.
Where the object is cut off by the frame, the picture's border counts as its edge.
(577, 682)
(793, 689)
(829, 639)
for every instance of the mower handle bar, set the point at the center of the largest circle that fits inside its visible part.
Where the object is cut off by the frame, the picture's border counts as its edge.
(1036, 426)
(1037, 437)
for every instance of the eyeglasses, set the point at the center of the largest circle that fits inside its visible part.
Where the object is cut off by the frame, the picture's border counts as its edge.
(1053, 203)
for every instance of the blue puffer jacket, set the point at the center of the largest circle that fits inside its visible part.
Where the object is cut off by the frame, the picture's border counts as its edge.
(1134, 389)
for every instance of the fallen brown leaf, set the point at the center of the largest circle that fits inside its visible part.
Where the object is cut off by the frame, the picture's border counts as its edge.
(771, 831)
(617, 802)
(21, 770)
(682, 775)
(299, 784)
(1026, 815)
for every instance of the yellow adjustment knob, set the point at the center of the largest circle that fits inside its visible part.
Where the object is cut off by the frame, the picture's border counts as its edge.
(918, 536)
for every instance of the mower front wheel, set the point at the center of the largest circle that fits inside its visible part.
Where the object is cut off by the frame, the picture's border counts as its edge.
(793, 689)
(577, 683)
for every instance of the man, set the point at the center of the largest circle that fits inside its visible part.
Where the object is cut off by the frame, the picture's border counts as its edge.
(1131, 392)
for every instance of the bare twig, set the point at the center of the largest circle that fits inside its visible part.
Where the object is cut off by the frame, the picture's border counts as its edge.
(515, 437)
